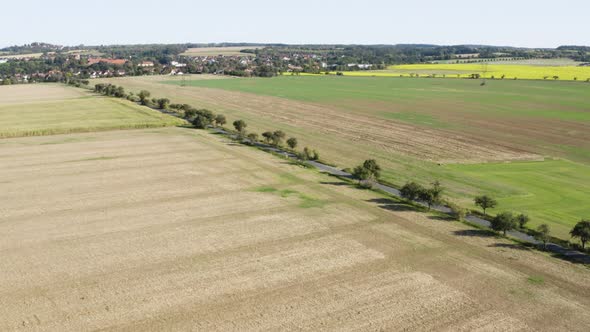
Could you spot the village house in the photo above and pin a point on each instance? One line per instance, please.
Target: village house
(146, 64)
(178, 64)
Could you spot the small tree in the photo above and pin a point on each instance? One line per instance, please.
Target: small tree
(543, 234)
(190, 113)
(373, 167)
(277, 137)
(253, 137)
(582, 231)
(411, 191)
(120, 92)
(220, 120)
(309, 154)
(369, 171)
(458, 212)
(292, 143)
(267, 136)
(485, 202)
(143, 97)
(315, 155)
(503, 222)
(163, 103)
(427, 196)
(522, 219)
(240, 125)
(201, 122)
(361, 173)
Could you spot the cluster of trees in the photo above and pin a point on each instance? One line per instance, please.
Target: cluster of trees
(110, 90)
(506, 221)
(432, 195)
(367, 173)
(276, 139)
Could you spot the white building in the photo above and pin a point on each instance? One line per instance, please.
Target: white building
(178, 64)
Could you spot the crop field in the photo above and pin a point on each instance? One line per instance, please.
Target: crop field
(214, 51)
(178, 229)
(419, 128)
(495, 70)
(517, 61)
(43, 109)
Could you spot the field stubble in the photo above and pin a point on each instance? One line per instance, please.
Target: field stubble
(173, 223)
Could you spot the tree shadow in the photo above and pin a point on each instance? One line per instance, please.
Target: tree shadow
(509, 246)
(441, 218)
(391, 205)
(474, 232)
(339, 184)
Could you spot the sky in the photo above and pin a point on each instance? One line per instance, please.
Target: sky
(521, 23)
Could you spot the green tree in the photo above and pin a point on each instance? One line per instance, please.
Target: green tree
(240, 125)
(543, 234)
(253, 137)
(292, 143)
(220, 120)
(433, 195)
(309, 154)
(373, 168)
(503, 222)
(189, 113)
(120, 92)
(163, 103)
(485, 202)
(361, 173)
(99, 88)
(368, 172)
(427, 196)
(582, 231)
(277, 137)
(411, 191)
(201, 122)
(267, 136)
(143, 97)
(522, 220)
(458, 212)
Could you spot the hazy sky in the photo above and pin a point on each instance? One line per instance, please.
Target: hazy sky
(528, 23)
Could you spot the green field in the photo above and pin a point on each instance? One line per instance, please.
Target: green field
(46, 110)
(549, 119)
(553, 191)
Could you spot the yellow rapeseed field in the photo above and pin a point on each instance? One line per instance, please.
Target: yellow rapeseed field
(569, 73)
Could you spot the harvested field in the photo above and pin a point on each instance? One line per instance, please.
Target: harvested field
(214, 51)
(175, 229)
(47, 109)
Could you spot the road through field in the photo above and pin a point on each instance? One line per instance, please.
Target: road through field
(177, 229)
(566, 253)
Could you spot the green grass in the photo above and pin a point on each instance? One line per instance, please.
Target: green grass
(536, 280)
(555, 192)
(509, 98)
(77, 115)
(305, 201)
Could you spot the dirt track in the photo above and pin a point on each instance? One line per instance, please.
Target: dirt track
(168, 229)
